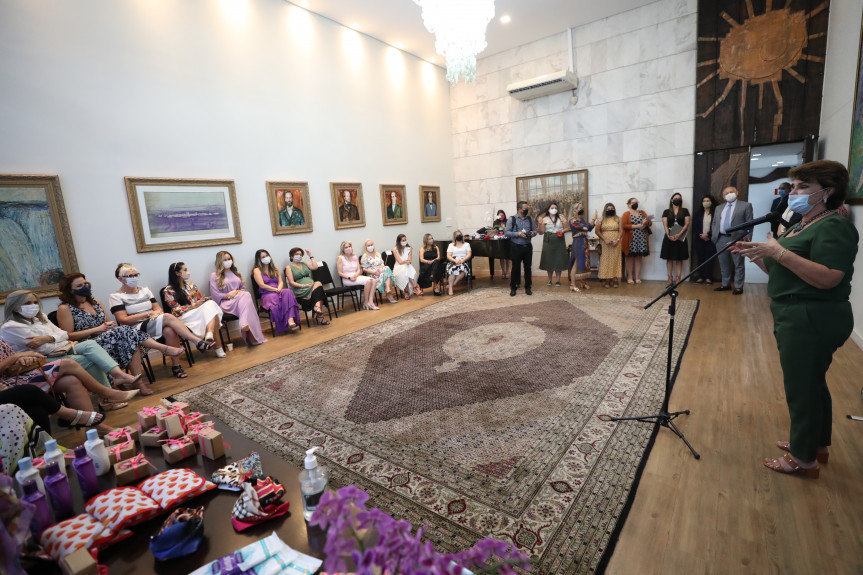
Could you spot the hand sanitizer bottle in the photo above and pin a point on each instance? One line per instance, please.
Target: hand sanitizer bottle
(313, 482)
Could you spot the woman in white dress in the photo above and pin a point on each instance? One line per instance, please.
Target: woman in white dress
(457, 255)
(348, 268)
(404, 271)
(200, 313)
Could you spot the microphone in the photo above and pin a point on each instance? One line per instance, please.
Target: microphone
(770, 217)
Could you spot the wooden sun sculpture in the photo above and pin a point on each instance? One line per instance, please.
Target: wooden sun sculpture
(758, 51)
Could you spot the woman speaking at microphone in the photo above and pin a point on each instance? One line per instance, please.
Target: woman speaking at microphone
(810, 269)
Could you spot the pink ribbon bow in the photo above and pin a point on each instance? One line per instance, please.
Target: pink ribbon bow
(180, 444)
(134, 462)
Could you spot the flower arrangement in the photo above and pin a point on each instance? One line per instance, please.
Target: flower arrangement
(352, 530)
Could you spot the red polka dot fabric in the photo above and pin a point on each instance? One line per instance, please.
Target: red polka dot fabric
(122, 507)
(175, 486)
(81, 531)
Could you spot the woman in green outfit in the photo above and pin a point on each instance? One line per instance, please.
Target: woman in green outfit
(553, 258)
(810, 269)
(299, 276)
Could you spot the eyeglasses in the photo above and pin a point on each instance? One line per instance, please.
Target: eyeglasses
(132, 276)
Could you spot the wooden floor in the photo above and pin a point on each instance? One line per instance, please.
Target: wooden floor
(723, 514)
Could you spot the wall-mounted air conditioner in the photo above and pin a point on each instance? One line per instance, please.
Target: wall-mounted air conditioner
(544, 85)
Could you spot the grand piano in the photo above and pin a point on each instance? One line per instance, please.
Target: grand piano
(491, 249)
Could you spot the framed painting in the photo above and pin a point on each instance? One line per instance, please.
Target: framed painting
(430, 201)
(855, 153)
(348, 209)
(394, 206)
(290, 207)
(169, 214)
(565, 188)
(36, 250)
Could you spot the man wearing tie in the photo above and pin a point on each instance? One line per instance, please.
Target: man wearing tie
(734, 212)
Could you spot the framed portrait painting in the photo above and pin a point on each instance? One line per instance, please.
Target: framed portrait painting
(36, 250)
(348, 209)
(394, 207)
(855, 154)
(290, 207)
(169, 214)
(430, 202)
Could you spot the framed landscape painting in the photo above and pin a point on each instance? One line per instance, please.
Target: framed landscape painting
(394, 207)
(348, 209)
(855, 155)
(430, 202)
(170, 214)
(290, 207)
(565, 188)
(36, 249)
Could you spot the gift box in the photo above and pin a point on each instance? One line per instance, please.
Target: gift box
(121, 451)
(175, 450)
(171, 422)
(131, 470)
(195, 430)
(79, 563)
(176, 405)
(122, 435)
(147, 416)
(196, 418)
(153, 437)
(211, 443)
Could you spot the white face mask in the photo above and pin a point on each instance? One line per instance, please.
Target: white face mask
(298, 258)
(730, 197)
(228, 264)
(186, 275)
(29, 310)
(131, 282)
(404, 243)
(349, 250)
(266, 261)
(552, 211)
(370, 249)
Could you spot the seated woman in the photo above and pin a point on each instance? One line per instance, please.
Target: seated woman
(228, 290)
(274, 296)
(348, 268)
(38, 405)
(299, 276)
(137, 307)
(200, 314)
(431, 268)
(404, 272)
(457, 254)
(373, 266)
(83, 317)
(27, 329)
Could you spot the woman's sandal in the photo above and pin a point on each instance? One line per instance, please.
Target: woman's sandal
(93, 419)
(178, 372)
(786, 464)
(820, 457)
(574, 289)
(111, 405)
(319, 317)
(204, 345)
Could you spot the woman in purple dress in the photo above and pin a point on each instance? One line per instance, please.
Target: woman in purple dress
(274, 296)
(579, 259)
(228, 290)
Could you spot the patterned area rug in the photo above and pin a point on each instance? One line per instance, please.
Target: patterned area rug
(482, 415)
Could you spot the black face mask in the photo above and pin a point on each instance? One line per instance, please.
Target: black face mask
(609, 212)
(677, 202)
(82, 291)
(580, 212)
(524, 213)
(459, 238)
(635, 205)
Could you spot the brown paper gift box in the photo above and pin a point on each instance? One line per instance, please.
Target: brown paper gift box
(176, 405)
(120, 435)
(179, 450)
(79, 562)
(172, 424)
(131, 470)
(147, 416)
(152, 437)
(125, 451)
(212, 445)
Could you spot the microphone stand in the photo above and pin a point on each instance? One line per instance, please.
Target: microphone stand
(665, 418)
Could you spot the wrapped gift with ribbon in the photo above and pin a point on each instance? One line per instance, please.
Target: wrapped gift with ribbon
(172, 421)
(196, 418)
(121, 451)
(131, 470)
(176, 405)
(195, 430)
(176, 450)
(122, 435)
(153, 437)
(147, 416)
(212, 444)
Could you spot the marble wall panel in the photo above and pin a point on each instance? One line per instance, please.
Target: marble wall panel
(625, 49)
(623, 115)
(585, 121)
(667, 73)
(590, 151)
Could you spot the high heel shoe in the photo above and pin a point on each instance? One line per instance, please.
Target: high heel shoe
(820, 457)
(370, 307)
(572, 288)
(786, 464)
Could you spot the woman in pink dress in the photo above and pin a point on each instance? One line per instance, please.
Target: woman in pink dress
(228, 290)
(275, 297)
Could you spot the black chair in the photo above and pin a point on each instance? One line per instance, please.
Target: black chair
(390, 262)
(223, 328)
(307, 306)
(256, 291)
(323, 275)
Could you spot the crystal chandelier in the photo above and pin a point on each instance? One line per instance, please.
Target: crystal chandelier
(459, 29)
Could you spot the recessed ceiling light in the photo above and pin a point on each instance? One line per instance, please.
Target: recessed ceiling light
(505, 19)
(780, 162)
(754, 159)
(305, 3)
(755, 155)
(355, 26)
(398, 45)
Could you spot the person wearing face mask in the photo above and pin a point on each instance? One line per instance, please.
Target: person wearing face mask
(505, 262)
(579, 258)
(704, 248)
(228, 289)
(675, 249)
(373, 266)
(552, 259)
(633, 243)
(780, 207)
(83, 317)
(608, 230)
(199, 313)
(282, 303)
(520, 229)
(404, 272)
(457, 254)
(809, 283)
(348, 268)
(734, 212)
(431, 267)
(304, 286)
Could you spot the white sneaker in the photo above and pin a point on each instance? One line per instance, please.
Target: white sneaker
(220, 352)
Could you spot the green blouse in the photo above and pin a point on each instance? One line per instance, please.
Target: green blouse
(302, 275)
(831, 242)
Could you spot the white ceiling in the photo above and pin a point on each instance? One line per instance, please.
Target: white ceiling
(400, 21)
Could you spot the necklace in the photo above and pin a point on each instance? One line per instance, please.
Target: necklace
(801, 226)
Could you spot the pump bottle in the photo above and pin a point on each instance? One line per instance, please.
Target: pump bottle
(313, 482)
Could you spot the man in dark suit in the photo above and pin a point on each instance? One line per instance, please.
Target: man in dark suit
(348, 212)
(734, 212)
(780, 206)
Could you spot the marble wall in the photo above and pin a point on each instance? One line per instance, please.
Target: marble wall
(632, 126)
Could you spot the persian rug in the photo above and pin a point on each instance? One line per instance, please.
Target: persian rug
(481, 415)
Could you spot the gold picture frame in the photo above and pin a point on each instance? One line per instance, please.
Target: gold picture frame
(37, 249)
(347, 213)
(430, 209)
(293, 219)
(394, 205)
(565, 188)
(173, 214)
